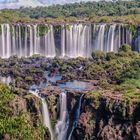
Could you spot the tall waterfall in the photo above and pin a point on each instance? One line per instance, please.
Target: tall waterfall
(63, 122)
(137, 41)
(45, 111)
(6, 80)
(76, 117)
(61, 128)
(74, 40)
(100, 38)
(110, 38)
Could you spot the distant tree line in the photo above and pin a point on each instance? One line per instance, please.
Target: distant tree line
(102, 11)
(84, 9)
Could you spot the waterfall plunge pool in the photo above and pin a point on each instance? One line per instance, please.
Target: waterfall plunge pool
(51, 81)
(70, 85)
(62, 125)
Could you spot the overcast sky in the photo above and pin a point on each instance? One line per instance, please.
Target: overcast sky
(33, 3)
(41, 1)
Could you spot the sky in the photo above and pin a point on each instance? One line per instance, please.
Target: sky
(33, 3)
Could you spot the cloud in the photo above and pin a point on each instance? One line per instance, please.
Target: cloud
(19, 3)
(33, 3)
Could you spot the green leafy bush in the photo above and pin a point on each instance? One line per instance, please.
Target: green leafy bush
(98, 55)
(13, 125)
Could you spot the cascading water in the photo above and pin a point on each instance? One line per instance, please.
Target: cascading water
(8, 44)
(110, 38)
(137, 41)
(76, 117)
(63, 41)
(76, 40)
(46, 118)
(49, 43)
(62, 125)
(100, 37)
(6, 80)
(31, 51)
(63, 122)
(45, 111)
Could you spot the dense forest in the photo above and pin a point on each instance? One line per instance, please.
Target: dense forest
(101, 11)
(84, 9)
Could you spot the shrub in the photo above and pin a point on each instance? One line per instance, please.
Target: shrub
(125, 48)
(13, 125)
(110, 56)
(28, 78)
(98, 55)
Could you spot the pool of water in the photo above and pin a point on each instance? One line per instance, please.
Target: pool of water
(75, 85)
(54, 78)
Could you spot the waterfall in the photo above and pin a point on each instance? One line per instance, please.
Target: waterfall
(46, 117)
(20, 41)
(25, 43)
(38, 41)
(137, 41)
(62, 125)
(31, 41)
(110, 39)
(49, 43)
(13, 49)
(6, 80)
(63, 41)
(100, 39)
(76, 40)
(8, 51)
(76, 117)
(63, 122)
(3, 40)
(35, 39)
(45, 111)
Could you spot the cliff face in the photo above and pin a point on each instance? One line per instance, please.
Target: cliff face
(110, 111)
(102, 117)
(108, 118)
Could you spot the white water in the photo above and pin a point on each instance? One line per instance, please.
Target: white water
(110, 39)
(31, 51)
(45, 111)
(25, 44)
(63, 122)
(8, 45)
(6, 80)
(100, 40)
(76, 40)
(76, 117)
(49, 43)
(62, 125)
(137, 41)
(20, 40)
(63, 42)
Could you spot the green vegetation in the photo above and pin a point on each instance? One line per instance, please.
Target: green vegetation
(42, 30)
(102, 11)
(120, 72)
(88, 9)
(96, 95)
(15, 122)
